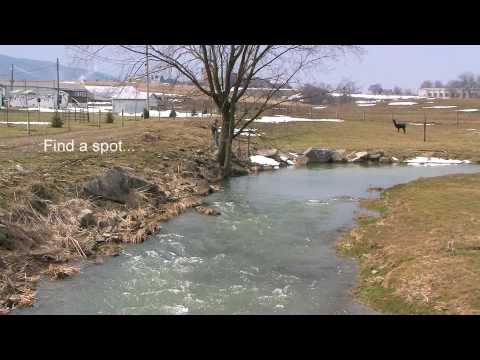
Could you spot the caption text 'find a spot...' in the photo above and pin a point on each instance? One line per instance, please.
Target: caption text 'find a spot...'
(50, 145)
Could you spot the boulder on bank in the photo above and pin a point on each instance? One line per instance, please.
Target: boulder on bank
(318, 155)
(87, 218)
(375, 155)
(357, 156)
(116, 184)
(385, 160)
(339, 155)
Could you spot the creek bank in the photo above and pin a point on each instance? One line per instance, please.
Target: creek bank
(95, 211)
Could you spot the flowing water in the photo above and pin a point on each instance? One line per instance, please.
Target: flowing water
(271, 251)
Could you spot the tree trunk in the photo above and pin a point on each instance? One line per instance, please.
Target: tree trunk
(225, 149)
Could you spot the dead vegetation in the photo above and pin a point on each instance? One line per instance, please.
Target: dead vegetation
(47, 221)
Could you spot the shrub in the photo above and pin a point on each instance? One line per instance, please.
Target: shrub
(146, 114)
(57, 121)
(173, 113)
(110, 118)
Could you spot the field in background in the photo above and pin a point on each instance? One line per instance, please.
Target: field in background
(450, 131)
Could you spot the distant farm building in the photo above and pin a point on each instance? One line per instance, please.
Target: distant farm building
(37, 97)
(129, 100)
(75, 90)
(447, 93)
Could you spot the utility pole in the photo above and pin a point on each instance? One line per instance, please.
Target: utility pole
(58, 84)
(11, 80)
(148, 82)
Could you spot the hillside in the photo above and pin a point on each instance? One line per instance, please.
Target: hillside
(28, 69)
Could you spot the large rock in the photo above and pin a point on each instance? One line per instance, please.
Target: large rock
(301, 160)
(318, 155)
(87, 218)
(116, 184)
(267, 152)
(375, 155)
(357, 156)
(385, 160)
(339, 155)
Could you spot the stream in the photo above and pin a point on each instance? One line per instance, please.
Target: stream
(271, 251)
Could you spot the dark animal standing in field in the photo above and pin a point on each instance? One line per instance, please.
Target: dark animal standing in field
(399, 126)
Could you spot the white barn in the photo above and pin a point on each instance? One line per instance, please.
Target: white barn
(131, 101)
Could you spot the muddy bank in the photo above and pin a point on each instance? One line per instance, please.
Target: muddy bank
(59, 208)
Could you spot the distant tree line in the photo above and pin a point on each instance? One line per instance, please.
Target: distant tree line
(321, 93)
(466, 80)
(377, 89)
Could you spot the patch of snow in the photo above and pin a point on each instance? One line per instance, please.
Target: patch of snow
(381, 97)
(420, 160)
(440, 107)
(400, 103)
(469, 110)
(282, 119)
(363, 105)
(419, 124)
(319, 107)
(263, 160)
(24, 123)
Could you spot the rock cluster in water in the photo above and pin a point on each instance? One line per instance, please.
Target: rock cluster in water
(267, 159)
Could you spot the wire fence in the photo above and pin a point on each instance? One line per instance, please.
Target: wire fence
(29, 121)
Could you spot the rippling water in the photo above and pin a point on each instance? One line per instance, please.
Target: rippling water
(272, 251)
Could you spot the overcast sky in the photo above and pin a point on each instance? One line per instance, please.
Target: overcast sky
(403, 65)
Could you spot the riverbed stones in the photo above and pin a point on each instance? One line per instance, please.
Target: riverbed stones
(116, 184)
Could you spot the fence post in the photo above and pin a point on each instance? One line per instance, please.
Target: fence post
(28, 123)
(424, 127)
(75, 114)
(457, 119)
(99, 111)
(363, 115)
(122, 119)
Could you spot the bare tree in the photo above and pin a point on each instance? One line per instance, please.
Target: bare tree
(426, 84)
(397, 90)
(224, 73)
(467, 80)
(317, 94)
(438, 84)
(376, 89)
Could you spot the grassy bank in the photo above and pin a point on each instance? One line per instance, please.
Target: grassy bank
(421, 256)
